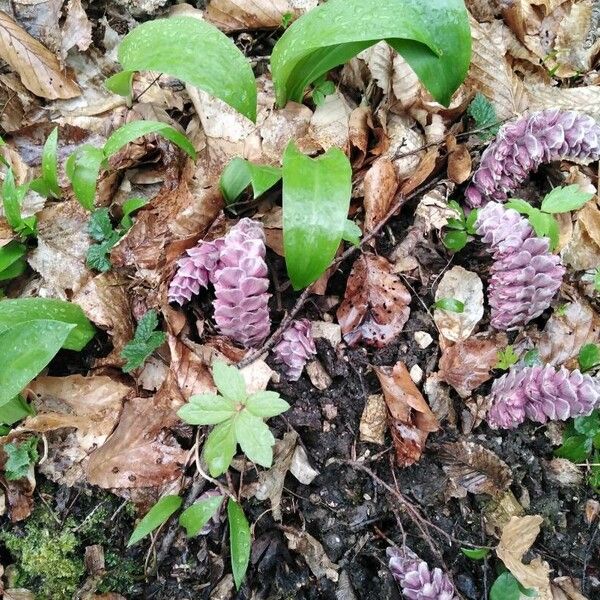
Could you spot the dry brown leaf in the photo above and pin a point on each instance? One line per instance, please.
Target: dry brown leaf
(380, 186)
(77, 30)
(373, 422)
(410, 418)
(433, 211)
(330, 123)
(423, 171)
(376, 303)
(465, 286)
(585, 99)
(473, 468)
(517, 538)
(467, 364)
(583, 250)
(313, 553)
(37, 67)
(459, 161)
(563, 472)
(405, 141)
(499, 511)
(566, 588)
(189, 370)
(359, 125)
(565, 333)
(477, 408)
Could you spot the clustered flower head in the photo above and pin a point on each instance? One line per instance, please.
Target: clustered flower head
(295, 349)
(235, 265)
(525, 276)
(417, 580)
(523, 145)
(541, 394)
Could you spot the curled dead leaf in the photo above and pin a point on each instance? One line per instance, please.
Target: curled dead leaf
(459, 162)
(380, 186)
(583, 250)
(376, 303)
(410, 418)
(313, 553)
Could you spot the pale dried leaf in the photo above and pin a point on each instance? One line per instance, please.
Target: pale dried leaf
(301, 468)
(499, 511)
(405, 141)
(313, 553)
(433, 209)
(189, 370)
(565, 588)
(376, 303)
(459, 164)
(331, 332)
(329, 125)
(379, 60)
(473, 468)
(37, 67)
(373, 422)
(424, 169)
(477, 408)
(583, 250)
(465, 286)
(318, 375)
(405, 83)
(563, 472)
(380, 186)
(77, 30)
(584, 99)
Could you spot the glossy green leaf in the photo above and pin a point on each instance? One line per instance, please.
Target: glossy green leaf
(589, 357)
(229, 381)
(12, 196)
(10, 253)
(475, 553)
(589, 425)
(434, 37)
(195, 517)
(455, 240)
(240, 541)
(83, 168)
(26, 348)
(50, 164)
(450, 304)
(532, 358)
(207, 409)
(120, 83)
(316, 198)
(195, 52)
(266, 404)
(219, 448)
(129, 207)
(575, 448)
(22, 310)
(506, 587)
(240, 173)
(14, 410)
(135, 129)
(155, 517)
(254, 437)
(565, 199)
(14, 270)
(352, 233)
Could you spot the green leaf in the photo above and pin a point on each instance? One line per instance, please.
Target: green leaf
(589, 357)
(19, 458)
(195, 52)
(155, 517)
(575, 448)
(594, 474)
(254, 437)
(321, 90)
(455, 240)
(484, 114)
(433, 37)
(352, 233)
(98, 255)
(195, 517)
(475, 553)
(589, 425)
(597, 280)
(100, 226)
(532, 358)
(450, 304)
(544, 224)
(219, 448)
(229, 381)
(135, 129)
(145, 341)
(10, 253)
(22, 310)
(506, 587)
(26, 349)
(316, 198)
(129, 207)
(14, 270)
(15, 410)
(506, 358)
(12, 196)
(120, 83)
(207, 409)
(83, 168)
(266, 404)
(240, 173)
(565, 199)
(50, 164)
(470, 221)
(240, 541)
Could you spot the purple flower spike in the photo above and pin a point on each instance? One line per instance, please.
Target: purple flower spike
(417, 580)
(541, 394)
(523, 145)
(295, 348)
(525, 276)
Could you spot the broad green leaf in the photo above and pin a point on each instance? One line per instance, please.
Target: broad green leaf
(575, 448)
(50, 164)
(240, 173)
(229, 381)
(316, 198)
(26, 348)
(195, 52)
(455, 240)
(14, 270)
(155, 517)
(10, 253)
(12, 196)
(99, 226)
(450, 304)
(22, 310)
(254, 437)
(565, 199)
(120, 83)
(240, 541)
(266, 404)
(471, 220)
(15, 410)
(219, 448)
(195, 517)
(544, 224)
(475, 553)
(207, 409)
(83, 168)
(129, 207)
(589, 357)
(136, 129)
(589, 425)
(352, 233)
(506, 587)
(434, 37)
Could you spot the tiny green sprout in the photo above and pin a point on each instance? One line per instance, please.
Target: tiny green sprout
(450, 305)
(561, 310)
(532, 358)
(506, 358)
(475, 553)
(20, 457)
(482, 111)
(286, 19)
(238, 419)
(597, 279)
(322, 88)
(460, 228)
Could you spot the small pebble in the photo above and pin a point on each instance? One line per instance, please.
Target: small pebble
(423, 339)
(416, 373)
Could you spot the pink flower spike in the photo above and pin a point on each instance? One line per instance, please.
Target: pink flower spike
(295, 348)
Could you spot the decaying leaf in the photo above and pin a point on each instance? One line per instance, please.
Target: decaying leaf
(376, 303)
(583, 250)
(459, 161)
(373, 422)
(477, 407)
(517, 538)
(563, 472)
(410, 418)
(330, 123)
(37, 67)
(313, 553)
(499, 511)
(405, 146)
(380, 186)
(585, 99)
(566, 588)
(77, 30)
(467, 364)
(189, 369)
(465, 286)
(473, 468)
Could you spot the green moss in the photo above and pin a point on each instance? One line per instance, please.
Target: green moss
(122, 574)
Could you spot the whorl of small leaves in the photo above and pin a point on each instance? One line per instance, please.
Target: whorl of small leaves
(145, 341)
(20, 456)
(482, 111)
